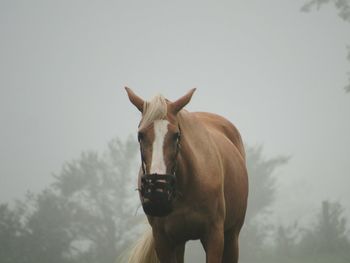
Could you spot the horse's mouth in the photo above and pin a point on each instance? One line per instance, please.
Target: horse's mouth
(157, 194)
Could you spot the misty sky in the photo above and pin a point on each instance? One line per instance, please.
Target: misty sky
(276, 72)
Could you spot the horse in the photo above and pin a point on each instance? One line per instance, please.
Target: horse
(192, 182)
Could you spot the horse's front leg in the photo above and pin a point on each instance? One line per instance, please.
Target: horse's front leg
(213, 244)
(166, 252)
(180, 253)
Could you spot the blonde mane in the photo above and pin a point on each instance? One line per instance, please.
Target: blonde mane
(156, 109)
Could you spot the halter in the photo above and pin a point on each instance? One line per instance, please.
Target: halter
(158, 190)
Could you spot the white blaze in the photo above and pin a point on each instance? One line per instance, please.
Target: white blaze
(158, 163)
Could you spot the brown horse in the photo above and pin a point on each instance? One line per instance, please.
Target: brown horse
(193, 181)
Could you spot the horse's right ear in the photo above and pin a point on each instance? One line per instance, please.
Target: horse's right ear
(136, 100)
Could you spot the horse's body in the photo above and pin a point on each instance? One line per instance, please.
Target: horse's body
(212, 191)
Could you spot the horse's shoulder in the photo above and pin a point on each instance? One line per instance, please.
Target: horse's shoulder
(223, 126)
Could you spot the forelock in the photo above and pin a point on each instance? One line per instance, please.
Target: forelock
(156, 109)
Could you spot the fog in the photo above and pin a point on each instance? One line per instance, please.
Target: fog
(276, 72)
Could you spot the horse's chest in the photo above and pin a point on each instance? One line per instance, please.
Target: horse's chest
(185, 226)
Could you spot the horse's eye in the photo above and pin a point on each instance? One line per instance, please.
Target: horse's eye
(140, 136)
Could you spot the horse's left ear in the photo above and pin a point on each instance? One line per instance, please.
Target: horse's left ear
(177, 105)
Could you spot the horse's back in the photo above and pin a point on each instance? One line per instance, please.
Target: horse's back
(223, 126)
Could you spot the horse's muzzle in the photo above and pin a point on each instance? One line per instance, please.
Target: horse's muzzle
(157, 194)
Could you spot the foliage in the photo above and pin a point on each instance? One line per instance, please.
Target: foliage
(81, 217)
(325, 241)
(98, 188)
(329, 235)
(262, 180)
(343, 7)
(11, 231)
(261, 195)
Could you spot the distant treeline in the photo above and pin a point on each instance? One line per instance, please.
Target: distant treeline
(88, 215)
(325, 241)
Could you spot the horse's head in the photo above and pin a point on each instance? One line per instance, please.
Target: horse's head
(159, 136)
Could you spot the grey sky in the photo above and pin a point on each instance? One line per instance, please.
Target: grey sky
(275, 72)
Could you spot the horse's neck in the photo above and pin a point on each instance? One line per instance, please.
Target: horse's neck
(195, 134)
(194, 137)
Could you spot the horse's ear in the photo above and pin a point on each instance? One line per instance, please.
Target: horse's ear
(136, 100)
(182, 102)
